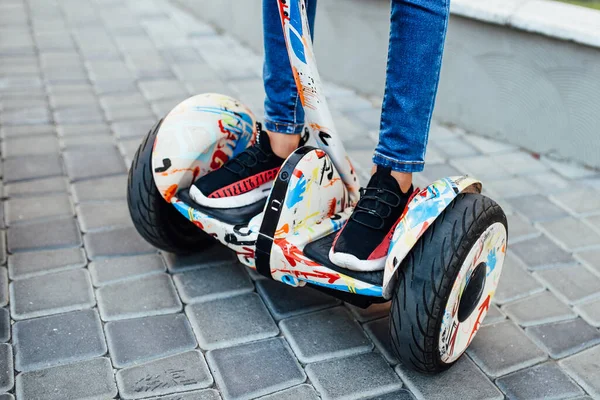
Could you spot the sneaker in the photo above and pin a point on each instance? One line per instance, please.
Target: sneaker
(241, 181)
(363, 242)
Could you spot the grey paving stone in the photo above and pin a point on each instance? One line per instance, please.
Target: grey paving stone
(300, 392)
(7, 371)
(76, 99)
(79, 115)
(162, 107)
(230, 321)
(163, 89)
(571, 284)
(379, 332)
(128, 149)
(537, 208)
(121, 100)
(5, 326)
(541, 252)
(31, 167)
(35, 187)
(561, 339)
(7, 396)
(57, 339)
(511, 187)
(22, 146)
(325, 334)
(51, 294)
(132, 129)
(481, 167)
(515, 282)
(110, 270)
(434, 172)
(572, 233)
(90, 163)
(488, 146)
(591, 259)
(103, 215)
(44, 235)
(540, 308)
(178, 373)
(272, 362)
(463, 381)
(91, 380)
(26, 116)
(214, 256)
(583, 368)
(108, 86)
(82, 129)
(519, 163)
(578, 202)
(117, 242)
(370, 313)
(285, 301)
(545, 381)
(493, 315)
(503, 348)
(129, 113)
(206, 394)
(353, 377)
(213, 283)
(89, 140)
(150, 295)
(590, 312)
(38, 208)
(3, 287)
(520, 229)
(28, 264)
(106, 188)
(26, 130)
(133, 341)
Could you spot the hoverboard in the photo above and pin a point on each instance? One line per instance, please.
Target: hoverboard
(445, 256)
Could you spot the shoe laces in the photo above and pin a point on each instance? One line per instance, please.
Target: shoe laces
(373, 204)
(246, 160)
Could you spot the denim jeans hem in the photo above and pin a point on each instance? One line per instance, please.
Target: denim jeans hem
(396, 165)
(283, 127)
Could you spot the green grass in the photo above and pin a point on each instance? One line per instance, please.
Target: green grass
(595, 4)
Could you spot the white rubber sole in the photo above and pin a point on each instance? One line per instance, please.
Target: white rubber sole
(352, 263)
(241, 200)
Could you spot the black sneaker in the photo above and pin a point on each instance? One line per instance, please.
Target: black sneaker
(363, 242)
(241, 181)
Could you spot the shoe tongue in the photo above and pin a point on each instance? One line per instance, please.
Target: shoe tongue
(383, 179)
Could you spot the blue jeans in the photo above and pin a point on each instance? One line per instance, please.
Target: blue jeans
(416, 44)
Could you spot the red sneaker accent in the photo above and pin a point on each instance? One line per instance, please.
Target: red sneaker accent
(245, 185)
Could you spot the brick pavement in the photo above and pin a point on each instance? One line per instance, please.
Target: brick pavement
(91, 311)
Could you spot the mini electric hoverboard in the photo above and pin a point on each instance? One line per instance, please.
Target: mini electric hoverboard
(445, 256)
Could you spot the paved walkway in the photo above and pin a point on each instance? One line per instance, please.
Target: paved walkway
(92, 311)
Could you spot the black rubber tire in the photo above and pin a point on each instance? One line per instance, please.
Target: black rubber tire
(426, 277)
(156, 220)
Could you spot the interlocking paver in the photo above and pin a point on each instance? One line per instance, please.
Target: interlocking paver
(520, 162)
(353, 377)
(493, 315)
(7, 371)
(578, 202)
(106, 188)
(520, 229)
(26, 130)
(285, 301)
(4, 325)
(178, 373)
(537, 208)
(79, 115)
(37, 187)
(51, 294)
(325, 334)
(28, 264)
(543, 381)
(516, 282)
(300, 392)
(434, 172)
(133, 129)
(23, 146)
(91, 379)
(85, 163)
(572, 233)
(38, 208)
(463, 381)
(3, 287)
(481, 167)
(103, 215)
(57, 339)
(128, 113)
(231, 321)
(541, 252)
(89, 140)
(583, 368)
(561, 339)
(117, 242)
(502, 348)
(26, 116)
(590, 312)
(271, 361)
(110, 270)
(82, 129)
(150, 295)
(213, 283)
(511, 187)
(31, 167)
(132, 341)
(591, 259)
(374, 311)
(488, 146)
(44, 235)
(206, 394)
(540, 308)
(214, 256)
(7, 396)
(379, 332)
(163, 89)
(571, 284)
(75, 99)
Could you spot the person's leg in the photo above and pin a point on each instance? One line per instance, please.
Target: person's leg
(284, 115)
(417, 34)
